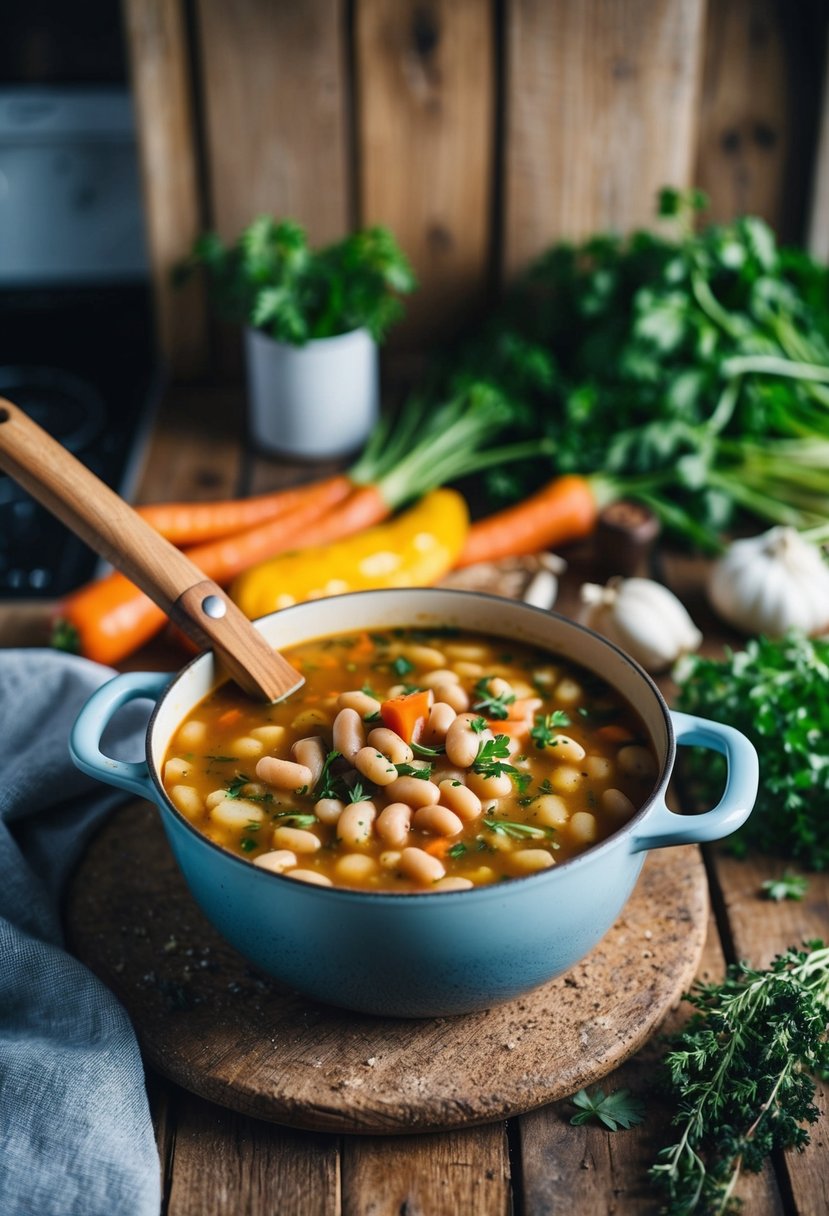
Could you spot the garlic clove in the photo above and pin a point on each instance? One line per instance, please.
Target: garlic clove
(643, 618)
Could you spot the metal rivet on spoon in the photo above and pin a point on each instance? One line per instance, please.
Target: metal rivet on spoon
(213, 607)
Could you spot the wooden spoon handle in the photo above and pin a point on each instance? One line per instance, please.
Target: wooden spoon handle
(68, 489)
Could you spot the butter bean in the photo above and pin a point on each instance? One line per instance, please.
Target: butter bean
(313, 877)
(452, 883)
(441, 717)
(599, 768)
(442, 675)
(375, 766)
(421, 866)
(349, 734)
(462, 742)
(328, 810)
(355, 867)
(394, 823)
(277, 860)
(365, 705)
(188, 800)
(454, 695)
(389, 859)
(616, 803)
(428, 657)
(271, 735)
(191, 735)
(283, 774)
(356, 824)
(246, 747)
(583, 827)
(562, 747)
(236, 813)
(498, 687)
(214, 798)
(438, 820)
(550, 811)
(390, 744)
(636, 761)
(176, 769)
(568, 692)
(311, 719)
(413, 791)
(530, 861)
(490, 787)
(311, 752)
(566, 779)
(459, 798)
(298, 840)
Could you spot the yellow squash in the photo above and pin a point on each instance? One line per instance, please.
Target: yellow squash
(414, 549)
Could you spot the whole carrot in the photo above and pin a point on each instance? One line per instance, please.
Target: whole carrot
(191, 523)
(563, 510)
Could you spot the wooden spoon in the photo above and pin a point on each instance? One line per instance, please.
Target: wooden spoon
(91, 509)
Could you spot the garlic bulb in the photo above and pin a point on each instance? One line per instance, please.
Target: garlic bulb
(643, 618)
(772, 583)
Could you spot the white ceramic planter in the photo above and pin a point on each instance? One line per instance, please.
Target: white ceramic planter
(312, 401)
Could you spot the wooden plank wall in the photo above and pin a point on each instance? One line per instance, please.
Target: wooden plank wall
(479, 131)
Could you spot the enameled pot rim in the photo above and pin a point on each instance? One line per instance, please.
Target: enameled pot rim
(544, 876)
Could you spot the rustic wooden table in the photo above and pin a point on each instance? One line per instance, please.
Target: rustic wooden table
(219, 1163)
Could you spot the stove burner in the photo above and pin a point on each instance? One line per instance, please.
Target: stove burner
(69, 408)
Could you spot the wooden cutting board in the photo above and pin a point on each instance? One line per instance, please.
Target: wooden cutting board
(209, 1021)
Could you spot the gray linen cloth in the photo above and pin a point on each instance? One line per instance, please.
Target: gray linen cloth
(75, 1132)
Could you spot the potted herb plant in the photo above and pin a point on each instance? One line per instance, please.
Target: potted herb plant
(313, 320)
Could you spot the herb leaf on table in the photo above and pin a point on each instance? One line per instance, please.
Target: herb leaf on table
(614, 1110)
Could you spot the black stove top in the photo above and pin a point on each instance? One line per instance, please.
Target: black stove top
(82, 363)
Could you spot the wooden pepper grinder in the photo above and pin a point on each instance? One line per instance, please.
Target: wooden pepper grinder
(625, 535)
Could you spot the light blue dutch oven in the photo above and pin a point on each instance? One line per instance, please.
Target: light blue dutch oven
(431, 954)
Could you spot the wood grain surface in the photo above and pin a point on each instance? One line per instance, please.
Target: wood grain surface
(218, 1027)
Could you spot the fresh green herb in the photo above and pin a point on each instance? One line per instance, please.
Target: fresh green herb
(247, 845)
(491, 758)
(521, 781)
(517, 831)
(614, 1110)
(410, 770)
(788, 886)
(420, 749)
(272, 279)
(375, 717)
(296, 819)
(357, 793)
(739, 1076)
(327, 785)
(478, 725)
(370, 692)
(253, 825)
(457, 850)
(494, 706)
(547, 726)
(222, 759)
(775, 693)
(401, 666)
(234, 789)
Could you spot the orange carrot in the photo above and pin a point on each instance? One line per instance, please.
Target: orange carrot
(406, 715)
(565, 509)
(191, 523)
(229, 716)
(613, 733)
(439, 847)
(110, 618)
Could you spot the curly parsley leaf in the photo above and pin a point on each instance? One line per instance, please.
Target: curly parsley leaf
(788, 886)
(614, 1110)
(494, 706)
(547, 726)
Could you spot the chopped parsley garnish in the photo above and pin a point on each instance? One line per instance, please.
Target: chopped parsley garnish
(234, 789)
(494, 706)
(516, 831)
(546, 727)
(247, 845)
(357, 793)
(478, 725)
(401, 667)
(457, 850)
(492, 756)
(326, 785)
(295, 819)
(420, 749)
(409, 770)
(370, 692)
(617, 1109)
(222, 759)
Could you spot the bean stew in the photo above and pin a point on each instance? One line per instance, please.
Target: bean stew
(414, 760)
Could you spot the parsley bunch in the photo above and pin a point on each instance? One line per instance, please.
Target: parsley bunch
(273, 280)
(775, 693)
(739, 1073)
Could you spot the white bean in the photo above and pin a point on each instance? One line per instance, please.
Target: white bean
(421, 866)
(441, 717)
(214, 798)
(236, 813)
(459, 798)
(583, 827)
(473, 652)
(454, 695)
(616, 803)
(283, 774)
(277, 860)
(530, 861)
(390, 744)
(354, 826)
(298, 840)
(438, 820)
(246, 747)
(187, 799)
(443, 675)
(498, 687)
(452, 883)
(566, 779)
(349, 734)
(311, 752)
(311, 719)
(271, 735)
(550, 811)
(176, 769)
(426, 656)
(636, 761)
(462, 742)
(562, 747)
(389, 859)
(310, 876)
(365, 705)
(355, 867)
(568, 692)
(490, 786)
(192, 734)
(394, 823)
(328, 810)
(413, 790)
(375, 766)
(598, 767)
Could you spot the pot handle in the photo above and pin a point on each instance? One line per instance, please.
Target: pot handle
(662, 827)
(92, 721)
